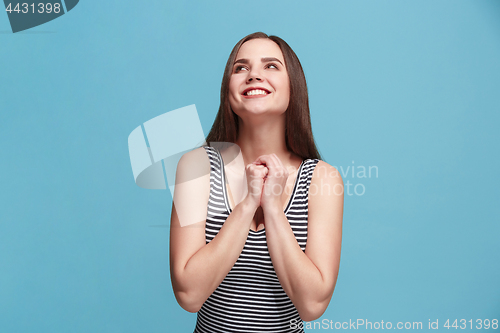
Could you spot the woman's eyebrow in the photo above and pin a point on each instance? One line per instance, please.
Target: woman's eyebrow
(271, 59)
(268, 59)
(243, 61)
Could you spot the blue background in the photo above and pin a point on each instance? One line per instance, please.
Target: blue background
(409, 87)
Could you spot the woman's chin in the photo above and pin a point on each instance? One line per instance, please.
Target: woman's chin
(260, 111)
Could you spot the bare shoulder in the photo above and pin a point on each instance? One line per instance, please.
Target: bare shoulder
(326, 191)
(194, 156)
(326, 206)
(192, 164)
(324, 173)
(192, 189)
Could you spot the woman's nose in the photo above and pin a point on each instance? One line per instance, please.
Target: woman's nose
(250, 79)
(254, 75)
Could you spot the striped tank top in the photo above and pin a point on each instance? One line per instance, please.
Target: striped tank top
(250, 298)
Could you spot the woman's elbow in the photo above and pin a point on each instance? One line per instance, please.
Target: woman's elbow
(187, 302)
(313, 311)
(182, 292)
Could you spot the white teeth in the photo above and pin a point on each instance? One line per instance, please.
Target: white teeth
(256, 92)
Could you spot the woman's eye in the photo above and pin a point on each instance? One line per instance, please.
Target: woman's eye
(272, 66)
(239, 68)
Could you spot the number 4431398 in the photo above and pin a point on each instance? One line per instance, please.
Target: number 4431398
(478, 324)
(31, 8)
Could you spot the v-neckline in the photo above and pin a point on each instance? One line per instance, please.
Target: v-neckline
(226, 195)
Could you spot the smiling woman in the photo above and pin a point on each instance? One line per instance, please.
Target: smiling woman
(259, 85)
(264, 251)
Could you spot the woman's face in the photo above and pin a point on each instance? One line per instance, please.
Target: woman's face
(259, 81)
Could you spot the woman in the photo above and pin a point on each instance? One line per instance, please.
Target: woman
(268, 258)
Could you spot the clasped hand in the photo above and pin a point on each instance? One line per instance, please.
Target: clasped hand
(266, 180)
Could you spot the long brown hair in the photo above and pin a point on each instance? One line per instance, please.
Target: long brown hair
(298, 133)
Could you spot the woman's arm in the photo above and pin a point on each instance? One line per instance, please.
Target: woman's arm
(309, 278)
(197, 268)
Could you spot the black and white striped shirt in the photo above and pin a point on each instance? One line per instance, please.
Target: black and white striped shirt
(250, 298)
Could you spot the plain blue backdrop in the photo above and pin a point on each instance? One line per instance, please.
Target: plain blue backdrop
(411, 87)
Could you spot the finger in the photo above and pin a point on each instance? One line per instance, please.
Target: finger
(258, 171)
(259, 167)
(259, 162)
(253, 166)
(267, 160)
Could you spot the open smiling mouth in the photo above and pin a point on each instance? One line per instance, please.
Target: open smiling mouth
(258, 92)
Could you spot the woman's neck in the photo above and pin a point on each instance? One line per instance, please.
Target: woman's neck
(264, 138)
